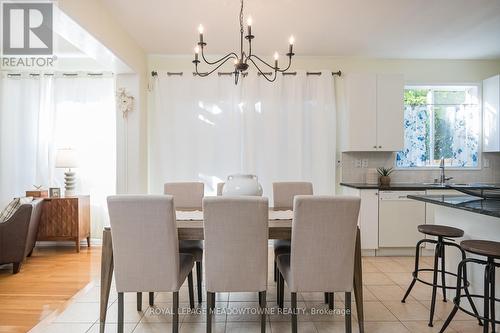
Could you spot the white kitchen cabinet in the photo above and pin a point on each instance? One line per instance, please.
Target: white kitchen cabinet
(368, 216)
(373, 120)
(491, 114)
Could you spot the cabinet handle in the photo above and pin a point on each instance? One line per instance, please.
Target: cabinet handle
(375, 147)
(380, 146)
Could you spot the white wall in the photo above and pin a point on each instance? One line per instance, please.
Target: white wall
(415, 71)
(97, 19)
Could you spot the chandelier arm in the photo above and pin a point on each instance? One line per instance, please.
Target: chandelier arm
(213, 70)
(288, 67)
(262, 73)
(229, 55)
(262, 61)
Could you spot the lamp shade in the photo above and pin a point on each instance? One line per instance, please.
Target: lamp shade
(66, 158)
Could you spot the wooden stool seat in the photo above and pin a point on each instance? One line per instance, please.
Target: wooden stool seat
(485, 248)
(440, 230)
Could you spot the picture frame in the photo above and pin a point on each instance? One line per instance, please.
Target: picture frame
(55, 192)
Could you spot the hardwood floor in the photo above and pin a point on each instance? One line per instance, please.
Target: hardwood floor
(46, 282)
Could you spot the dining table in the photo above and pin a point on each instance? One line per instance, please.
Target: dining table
(190, 227)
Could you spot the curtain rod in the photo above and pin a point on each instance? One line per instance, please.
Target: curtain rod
(155, 73)
(91, 74)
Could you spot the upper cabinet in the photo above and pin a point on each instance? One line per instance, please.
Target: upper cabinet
(491, 114)
(373, 120)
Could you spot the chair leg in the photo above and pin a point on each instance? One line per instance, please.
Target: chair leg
(348, 317)
(190, 289)
(139, 301)
(434, 282)
(492, 298)
(443, 274)
(175, 306)
(294, 312)
(209, 312)
(331, 301)
(466, 289)
(262, 304)
(327, 297)
(120, 312)
(199, 277)
(415, 272)
(278, 288)
(486, 313)
(275, 270)
(16, 267)
(282, 291)
(457, 297)
(151, 298)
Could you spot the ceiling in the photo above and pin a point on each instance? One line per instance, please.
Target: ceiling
(444, 29)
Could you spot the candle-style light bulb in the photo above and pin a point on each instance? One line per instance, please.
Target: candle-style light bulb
(196, 52)
(276, 56)
(249, 24)
(291, 40)
(200, 30)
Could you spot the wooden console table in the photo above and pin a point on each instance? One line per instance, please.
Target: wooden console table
(65, 219)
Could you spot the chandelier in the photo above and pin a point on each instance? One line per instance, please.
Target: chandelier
(243, 59)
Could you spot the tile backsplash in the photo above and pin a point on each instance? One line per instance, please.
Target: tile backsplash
(353, 172)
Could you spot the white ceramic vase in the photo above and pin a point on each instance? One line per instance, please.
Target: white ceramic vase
(242, 185)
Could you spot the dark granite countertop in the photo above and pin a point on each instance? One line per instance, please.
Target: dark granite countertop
(404, 186)
(464, 202)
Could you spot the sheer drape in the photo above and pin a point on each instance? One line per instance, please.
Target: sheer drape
(40, 115)
(206, 129)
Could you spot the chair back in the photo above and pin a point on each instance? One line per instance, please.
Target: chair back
(145, 243)
(220, 187)
(284, 192)
(323, 243)
(236, 234)
(188, 195)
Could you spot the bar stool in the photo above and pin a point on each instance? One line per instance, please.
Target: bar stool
(490, 250)
(443, 234)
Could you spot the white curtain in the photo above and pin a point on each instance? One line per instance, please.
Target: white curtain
(40, 115)
(207, 128)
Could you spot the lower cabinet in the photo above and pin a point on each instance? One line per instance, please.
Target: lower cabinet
(368, 216)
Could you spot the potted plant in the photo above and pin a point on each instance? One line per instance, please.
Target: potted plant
(385, 179)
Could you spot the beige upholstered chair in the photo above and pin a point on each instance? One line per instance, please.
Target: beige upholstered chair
(322, 252)
(283, 194)
(220, 187)
(236, 233)
(146, 251)
(189, 196)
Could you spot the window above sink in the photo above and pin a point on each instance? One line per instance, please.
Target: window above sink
(441, 121)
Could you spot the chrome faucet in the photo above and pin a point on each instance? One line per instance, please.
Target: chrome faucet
(443, 179)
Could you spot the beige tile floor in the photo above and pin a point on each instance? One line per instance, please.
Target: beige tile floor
(385, 281)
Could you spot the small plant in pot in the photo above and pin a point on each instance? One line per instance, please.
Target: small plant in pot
(385, 179)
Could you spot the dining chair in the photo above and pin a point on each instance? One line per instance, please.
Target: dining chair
(322, 252)
(188, 196)
(146, 250)
(283, 194)
(236, 232)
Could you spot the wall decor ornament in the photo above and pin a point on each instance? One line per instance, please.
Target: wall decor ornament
(125, 102)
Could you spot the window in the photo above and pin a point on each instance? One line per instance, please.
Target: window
(440, 122)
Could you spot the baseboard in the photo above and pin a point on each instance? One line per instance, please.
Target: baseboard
(83, 243)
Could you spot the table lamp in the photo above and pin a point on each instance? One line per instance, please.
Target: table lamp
(66, 159)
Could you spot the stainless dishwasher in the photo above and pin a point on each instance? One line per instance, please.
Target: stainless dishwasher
(399, 217)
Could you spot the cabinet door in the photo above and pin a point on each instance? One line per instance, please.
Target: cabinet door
(390, 112)
(491, 114)
(368, 219)
(361, 116)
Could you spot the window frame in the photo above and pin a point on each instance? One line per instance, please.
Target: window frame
(479, 166)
